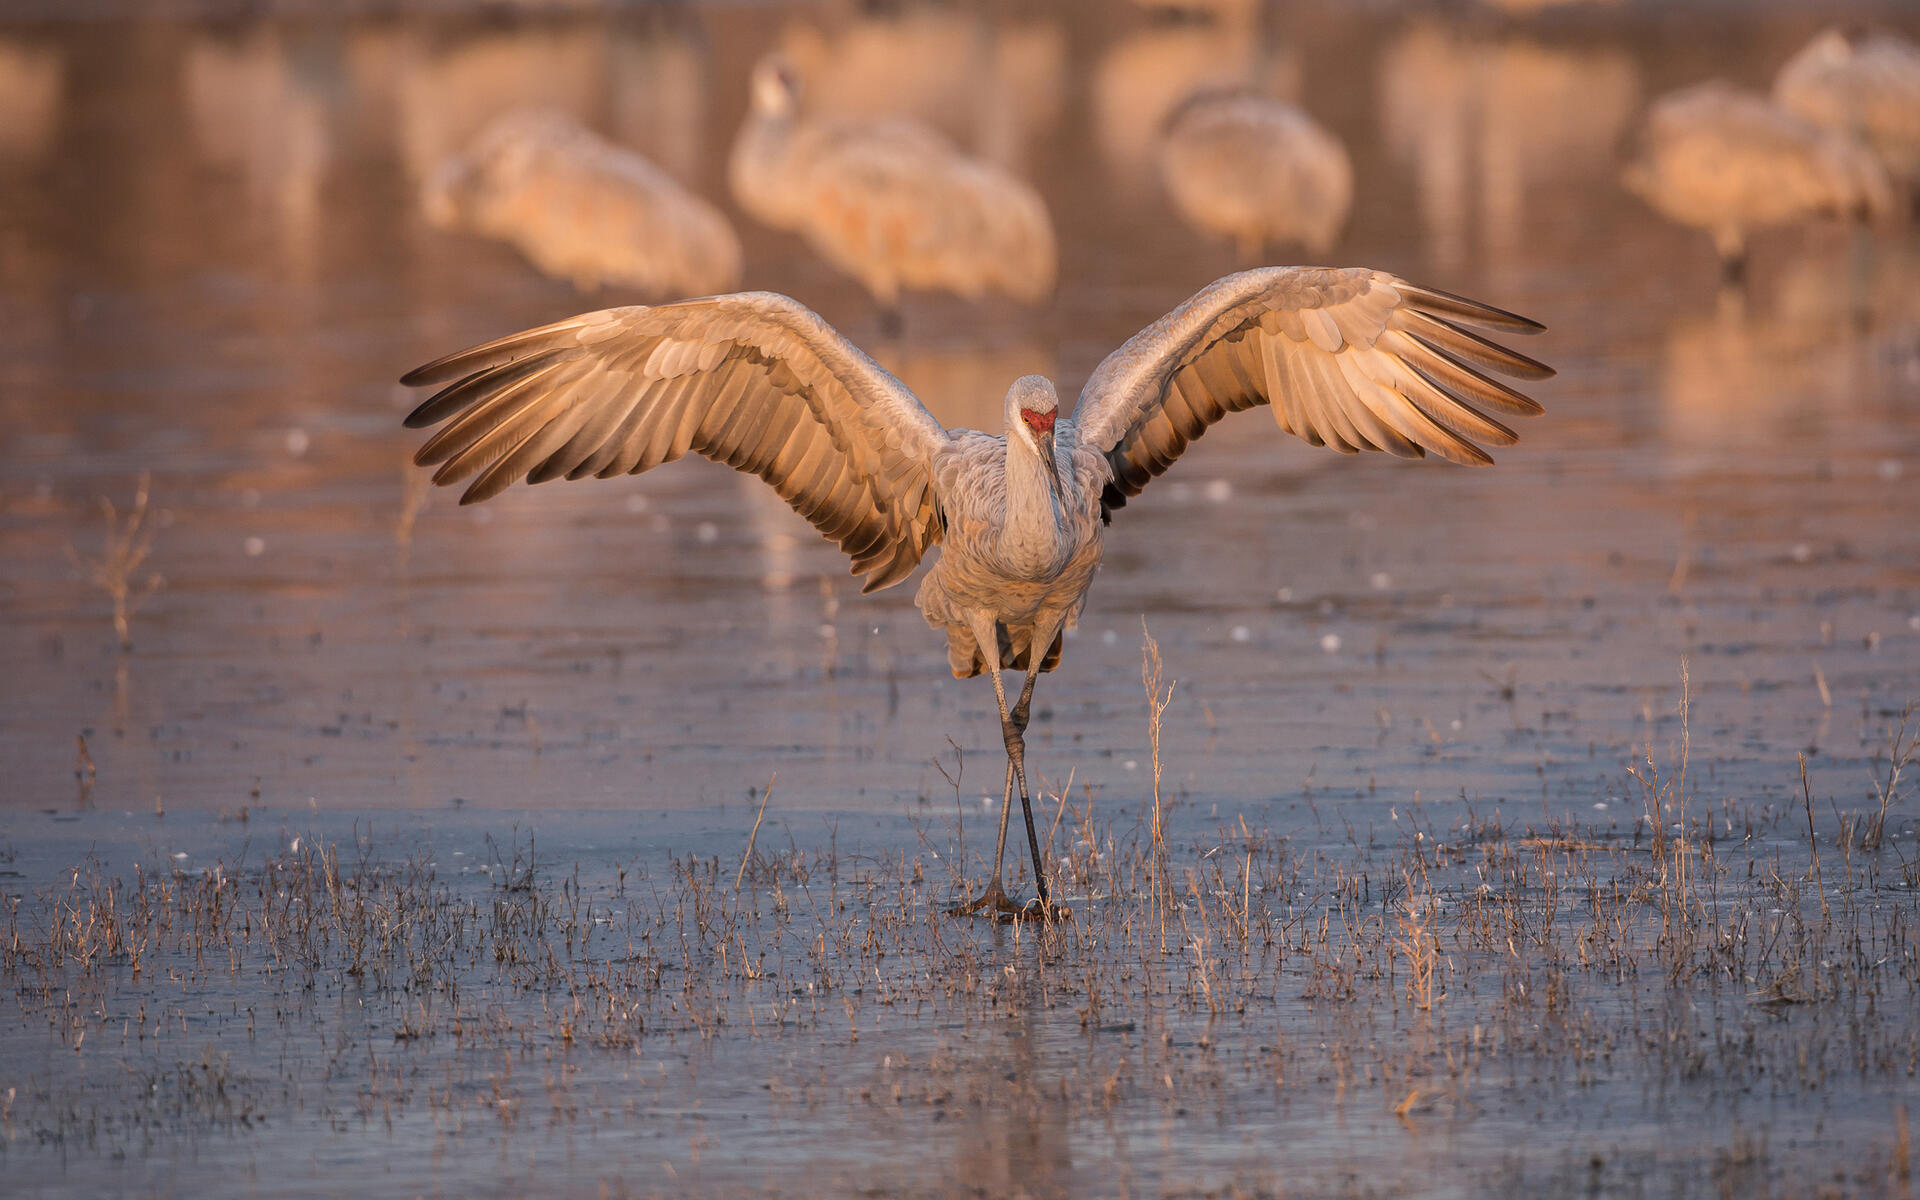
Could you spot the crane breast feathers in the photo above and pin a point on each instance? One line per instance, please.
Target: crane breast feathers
(754, 380)
(1353, 359)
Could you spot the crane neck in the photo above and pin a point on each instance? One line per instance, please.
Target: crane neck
(757, 168)
(1032, 536)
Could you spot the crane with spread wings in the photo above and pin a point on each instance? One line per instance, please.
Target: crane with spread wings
(1353, 359)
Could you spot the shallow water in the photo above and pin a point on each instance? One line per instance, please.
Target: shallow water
(211, 270)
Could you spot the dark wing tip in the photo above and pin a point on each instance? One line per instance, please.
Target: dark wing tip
(426, 413)
(1462, 309)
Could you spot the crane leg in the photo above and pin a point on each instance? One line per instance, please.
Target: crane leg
(1017, 722)
(1732, 247)
(995, 898)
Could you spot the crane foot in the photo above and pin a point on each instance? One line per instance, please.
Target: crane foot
(998, 906)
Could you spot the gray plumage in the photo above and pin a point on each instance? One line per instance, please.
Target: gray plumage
(1256, 169)
(1353, 359)
(1731, 162)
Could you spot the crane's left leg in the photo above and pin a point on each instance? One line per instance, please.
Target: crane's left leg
(1043, 635)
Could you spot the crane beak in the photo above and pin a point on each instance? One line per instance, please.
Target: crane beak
(1040, 425)
(1046, 455)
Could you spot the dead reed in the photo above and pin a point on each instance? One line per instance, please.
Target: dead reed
(128, 542)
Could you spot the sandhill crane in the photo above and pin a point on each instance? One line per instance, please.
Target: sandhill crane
(1258, 170)
(582, 208)
(1730, 162)
(1354, 359)
(1868, 87)
(891, 203)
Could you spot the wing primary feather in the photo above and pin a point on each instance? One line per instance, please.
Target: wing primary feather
(536, 446)
(684, 421)
(486, 413)
(1464, 343)
(662, 408)
(1461, 308)
(482, 433)
(590, 437)
(774, 438)
(1460, 417)
(722, 408)
(449, 400)
(507, 349)
(1455, 378)
(612, 458)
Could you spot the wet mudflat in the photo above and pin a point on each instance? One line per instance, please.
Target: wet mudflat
(408, 847)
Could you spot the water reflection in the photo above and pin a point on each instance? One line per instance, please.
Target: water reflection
(1490, 127)
(32, 79)
(450, 86)
(996, 87)
(1802, 356)
(1141, 78)
(254, 109)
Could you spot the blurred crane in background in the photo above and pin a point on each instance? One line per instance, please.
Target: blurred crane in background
(1866, 87)
(890, 202)
(1260, 171)
(1731, 162)
(582, 208)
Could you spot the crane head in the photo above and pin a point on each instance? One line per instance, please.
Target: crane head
(775, 86)
(1032, 407)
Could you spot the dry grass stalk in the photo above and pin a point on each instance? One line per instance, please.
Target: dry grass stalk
(1666, 799)
(127, 545)
(1903, 744)
(1418, 944)
(1813, 839)
(748, 856)
(1159, 696)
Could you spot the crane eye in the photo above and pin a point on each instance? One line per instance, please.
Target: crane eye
(1039, 422)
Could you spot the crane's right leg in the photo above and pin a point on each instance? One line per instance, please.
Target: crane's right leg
(995, 899)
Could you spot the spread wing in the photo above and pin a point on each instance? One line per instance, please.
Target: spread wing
(1354, 359)
(754, 380)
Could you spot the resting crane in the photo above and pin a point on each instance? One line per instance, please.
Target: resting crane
(583, 208)
(1258, 170)
(1867, 86)
(1730, 162)
(1354, 359)
(890, 202)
